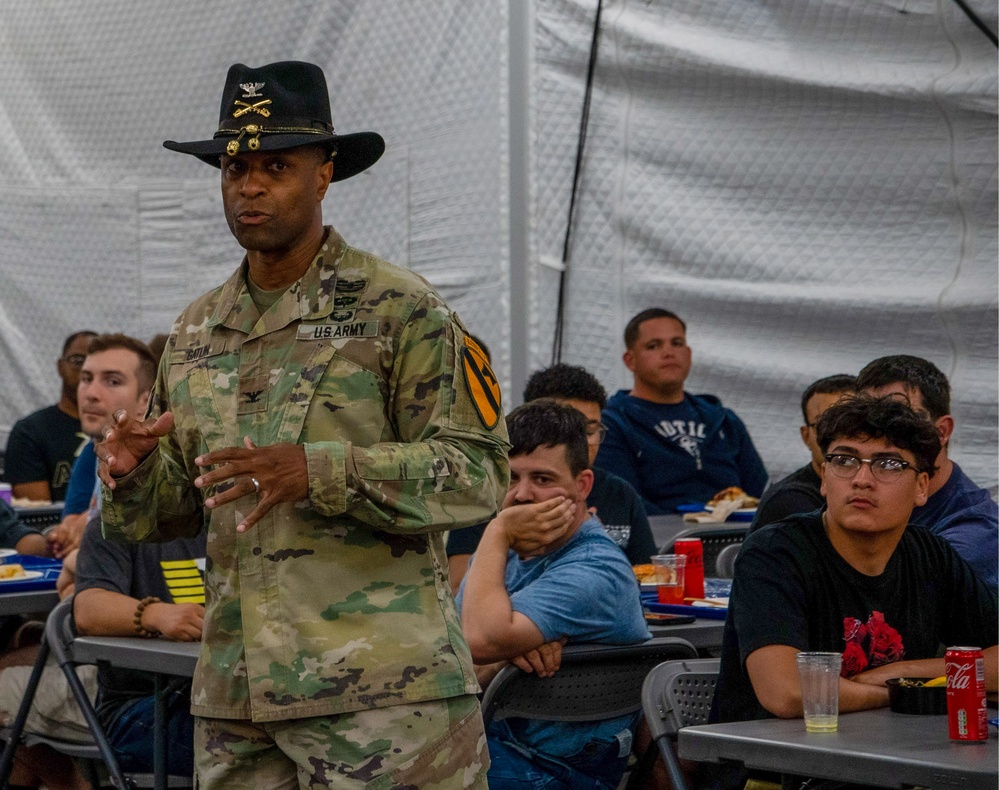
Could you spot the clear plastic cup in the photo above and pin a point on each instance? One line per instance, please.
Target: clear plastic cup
(669, 570)
(819, 674)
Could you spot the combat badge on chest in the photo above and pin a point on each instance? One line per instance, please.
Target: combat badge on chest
(342, 326)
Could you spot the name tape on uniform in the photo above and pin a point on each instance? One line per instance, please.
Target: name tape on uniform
(337, 331)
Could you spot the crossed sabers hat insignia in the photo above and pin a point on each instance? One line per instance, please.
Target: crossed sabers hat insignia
(258, 107)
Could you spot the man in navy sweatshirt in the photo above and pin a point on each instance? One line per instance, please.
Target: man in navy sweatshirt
(673, 447)
(957, 510)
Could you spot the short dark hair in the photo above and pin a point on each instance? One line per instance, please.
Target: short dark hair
(913, 372)
(145, 373)
(830, 385)
(570, 382)
(861, 416)
(634, 325)
(69, 340)
(551, 424)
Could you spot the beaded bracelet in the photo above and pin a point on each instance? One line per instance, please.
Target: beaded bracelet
(139, 630)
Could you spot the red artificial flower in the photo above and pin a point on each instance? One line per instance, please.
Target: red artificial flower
(854, 630)
(854, 660)
(886, 643)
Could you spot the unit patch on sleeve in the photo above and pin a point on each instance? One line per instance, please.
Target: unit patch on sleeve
(482, 383)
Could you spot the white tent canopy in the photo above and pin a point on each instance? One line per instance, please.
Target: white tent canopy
(810, 183)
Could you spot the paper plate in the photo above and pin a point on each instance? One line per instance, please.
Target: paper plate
(27, 575)
(742, 511)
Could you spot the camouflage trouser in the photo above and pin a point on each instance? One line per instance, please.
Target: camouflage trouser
(436, 745)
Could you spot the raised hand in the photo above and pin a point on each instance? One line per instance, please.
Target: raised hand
(531, 529)
(126, 442)
(275, 473)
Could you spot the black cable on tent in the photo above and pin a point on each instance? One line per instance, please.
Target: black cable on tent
(977, 21)
(583, 124)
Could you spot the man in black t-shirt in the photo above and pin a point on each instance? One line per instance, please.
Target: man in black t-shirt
(799, 491)
(41, 447)
(141, 589)
(852, 578)
(612, 500)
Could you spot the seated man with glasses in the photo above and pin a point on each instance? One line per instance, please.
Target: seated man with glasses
(41, 447)
(613, 501)
(852, 578)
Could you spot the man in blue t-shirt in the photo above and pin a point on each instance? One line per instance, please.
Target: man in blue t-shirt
(545, 574)
(673, 447)
(957, 510)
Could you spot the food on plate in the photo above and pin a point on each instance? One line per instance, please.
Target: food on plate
(914, 683)
(722, 505)
(733, 494)
(646, 574)
(29, 503)
(12, 570)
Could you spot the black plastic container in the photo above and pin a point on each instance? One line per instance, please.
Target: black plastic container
(919, 700)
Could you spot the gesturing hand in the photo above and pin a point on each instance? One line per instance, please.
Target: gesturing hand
(531, 529)
(127, 442)
(275, 473)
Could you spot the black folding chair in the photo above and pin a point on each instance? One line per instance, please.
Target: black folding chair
(594, 683)
(58, 642)
(677, 694)
(40, 517)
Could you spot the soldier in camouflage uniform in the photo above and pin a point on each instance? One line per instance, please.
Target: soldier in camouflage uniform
(325, 417)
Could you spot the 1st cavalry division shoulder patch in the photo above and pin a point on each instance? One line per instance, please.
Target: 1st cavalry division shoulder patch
(482, 383)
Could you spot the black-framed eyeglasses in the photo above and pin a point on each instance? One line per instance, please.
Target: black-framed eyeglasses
(885, 470)
(595, 432)
(76, 360)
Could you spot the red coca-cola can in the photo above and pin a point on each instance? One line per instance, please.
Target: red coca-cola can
(693, 581)
(966, 694)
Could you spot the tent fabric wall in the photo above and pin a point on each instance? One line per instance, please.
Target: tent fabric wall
(811, 185)
(103, 228)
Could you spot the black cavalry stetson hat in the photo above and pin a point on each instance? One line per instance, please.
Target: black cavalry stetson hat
(281, 105)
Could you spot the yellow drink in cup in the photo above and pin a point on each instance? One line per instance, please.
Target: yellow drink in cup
(819, 674)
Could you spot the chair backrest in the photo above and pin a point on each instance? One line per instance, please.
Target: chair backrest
(59, 631)
(595, 682)
(59, 635)
(714, 538)
(677, 694)
(40, 517)
(725, 561)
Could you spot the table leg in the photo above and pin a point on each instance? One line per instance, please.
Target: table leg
(160, 734)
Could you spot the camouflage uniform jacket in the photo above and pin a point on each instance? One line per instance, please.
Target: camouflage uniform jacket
(341, 602)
